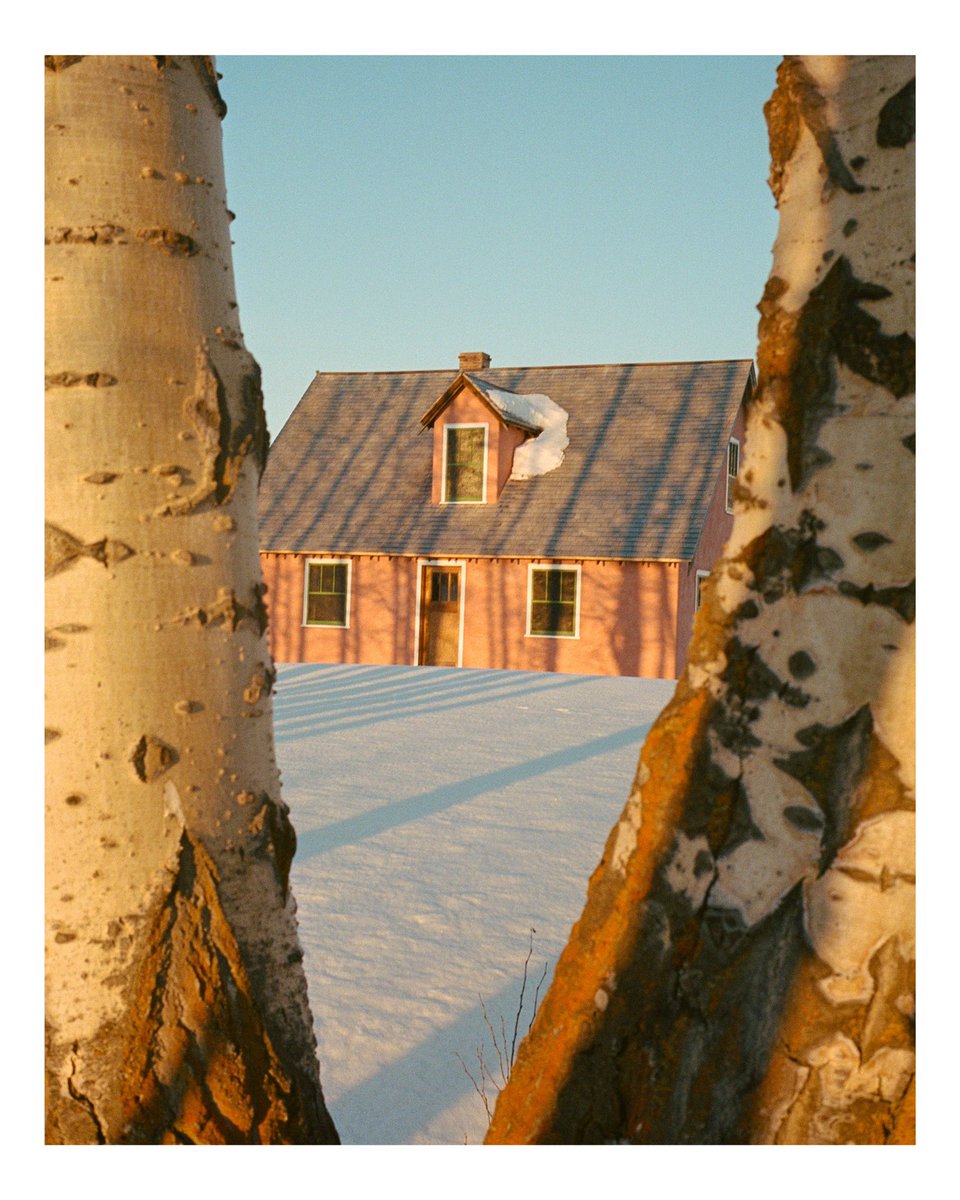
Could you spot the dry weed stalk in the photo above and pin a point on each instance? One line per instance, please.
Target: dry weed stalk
(505, 1052)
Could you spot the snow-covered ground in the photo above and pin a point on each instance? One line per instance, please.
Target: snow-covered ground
(441, 815)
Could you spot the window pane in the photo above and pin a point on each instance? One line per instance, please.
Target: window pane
(472, 449)
(540, 617)
(465, 464)
(468, 445)
(733, 460)
(328, 578)
(444, 586)
(552, 618)
(327, 593)
(326, 608)
(329, 608)
(470, 480)
(464, 482)
(553, 602)
(563, 618)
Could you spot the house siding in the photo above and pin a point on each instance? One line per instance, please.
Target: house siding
(637, 504)
(628, 616)
(381, 618)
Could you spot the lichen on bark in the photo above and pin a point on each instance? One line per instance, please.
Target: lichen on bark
(750, 922)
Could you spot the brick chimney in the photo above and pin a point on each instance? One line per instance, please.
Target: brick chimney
(474, 360)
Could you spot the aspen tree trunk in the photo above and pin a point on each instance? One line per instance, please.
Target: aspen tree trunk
(743, 968)
(176, 1001)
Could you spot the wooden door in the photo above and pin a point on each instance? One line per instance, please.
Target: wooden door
(440, 617)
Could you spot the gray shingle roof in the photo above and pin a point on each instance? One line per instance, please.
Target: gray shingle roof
(350, 472)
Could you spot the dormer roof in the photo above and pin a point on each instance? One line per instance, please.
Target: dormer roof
(510, 407)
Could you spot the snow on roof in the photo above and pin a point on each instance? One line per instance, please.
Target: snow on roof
(533, 411)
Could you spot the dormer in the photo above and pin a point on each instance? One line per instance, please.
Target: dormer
(476, 429)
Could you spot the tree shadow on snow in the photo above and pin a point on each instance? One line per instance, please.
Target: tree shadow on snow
(412, 808)
(323, 699)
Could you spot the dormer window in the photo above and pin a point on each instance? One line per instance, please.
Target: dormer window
(484, 436)
(465, 464)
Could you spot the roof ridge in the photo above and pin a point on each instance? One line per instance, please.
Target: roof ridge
(676, 362)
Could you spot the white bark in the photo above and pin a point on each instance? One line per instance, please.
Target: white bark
(167, 844)
(755, 900)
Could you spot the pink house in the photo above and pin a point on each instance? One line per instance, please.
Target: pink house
(535, 518)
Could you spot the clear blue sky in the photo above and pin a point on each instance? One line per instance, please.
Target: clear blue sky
(392, 212)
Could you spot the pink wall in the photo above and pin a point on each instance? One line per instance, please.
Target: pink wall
(382, 616)
(627, 620)
(628, 617)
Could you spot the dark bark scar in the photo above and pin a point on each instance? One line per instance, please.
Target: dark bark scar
(62, 550)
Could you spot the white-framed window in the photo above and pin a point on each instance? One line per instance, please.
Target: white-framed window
(733, 470)
(697, 598)
(465, 464)
(553, 600)
(326, 592)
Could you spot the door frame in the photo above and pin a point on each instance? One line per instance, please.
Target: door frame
(418, 610)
